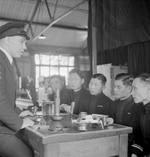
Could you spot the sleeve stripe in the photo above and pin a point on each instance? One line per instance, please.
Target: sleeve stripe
(138, 147)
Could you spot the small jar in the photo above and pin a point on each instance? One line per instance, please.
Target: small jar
(82, 126)
(82, 115)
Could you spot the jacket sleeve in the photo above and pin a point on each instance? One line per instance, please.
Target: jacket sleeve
(137, 146)
(113, 110)
(8, 116)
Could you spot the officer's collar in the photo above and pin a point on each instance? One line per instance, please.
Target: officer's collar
(7, 55)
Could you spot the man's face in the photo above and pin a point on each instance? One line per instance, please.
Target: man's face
(17, 45)
(140, 91)
(95, 86)
(56, 83)
(75, 82)
(121, 91)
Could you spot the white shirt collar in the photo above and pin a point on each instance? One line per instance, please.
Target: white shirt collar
(7, 55)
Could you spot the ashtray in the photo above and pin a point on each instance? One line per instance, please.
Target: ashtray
(56, 117)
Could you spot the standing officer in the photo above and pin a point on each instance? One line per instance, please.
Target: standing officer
(12, 45)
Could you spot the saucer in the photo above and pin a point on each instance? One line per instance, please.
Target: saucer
(57, 118)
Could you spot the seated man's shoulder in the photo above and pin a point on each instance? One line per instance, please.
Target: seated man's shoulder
(106, 98)
(85, 92)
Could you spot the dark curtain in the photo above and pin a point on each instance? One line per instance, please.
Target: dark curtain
(135, 56)
(123, 33)
(120, 22)
(118, 56)
(139, 58)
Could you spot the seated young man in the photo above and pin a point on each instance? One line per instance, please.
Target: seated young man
(141, 94)
(125, 111)
(80, 96)
(56, 83)
(99, 102)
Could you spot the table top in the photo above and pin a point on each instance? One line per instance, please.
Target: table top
(64, 130)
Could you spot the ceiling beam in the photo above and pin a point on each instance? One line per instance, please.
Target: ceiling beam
(59, 5)
(48, 9)
(54, 21)
(55, 8)
(44, 24)
(33, 14)
(38, 48)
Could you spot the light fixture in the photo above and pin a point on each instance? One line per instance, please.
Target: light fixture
(42, 37)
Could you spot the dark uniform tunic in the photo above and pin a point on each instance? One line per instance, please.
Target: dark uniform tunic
(81, 99)
(9, 119)
(145, 128)
(126, 112)
(100, 104)
(10, 122)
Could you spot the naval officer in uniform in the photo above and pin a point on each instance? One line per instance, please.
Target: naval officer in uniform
(12, 45)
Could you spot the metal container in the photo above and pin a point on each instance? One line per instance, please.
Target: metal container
(47, 108)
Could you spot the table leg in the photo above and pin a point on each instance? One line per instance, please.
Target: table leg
(123, 145)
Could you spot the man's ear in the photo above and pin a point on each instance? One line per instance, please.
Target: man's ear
(130, 88)
(148, 90)
(82, 81)
(103, 87)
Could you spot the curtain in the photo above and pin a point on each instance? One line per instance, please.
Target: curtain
(135, 56)
(139, 58)
(118, 56)
(119, 22)
(122, 33)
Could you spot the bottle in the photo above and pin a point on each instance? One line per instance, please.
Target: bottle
(57, 103)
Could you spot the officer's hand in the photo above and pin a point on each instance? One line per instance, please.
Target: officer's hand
(66, 108)
(109, 121)
(26, 113)
(27, 122)
(133, 155)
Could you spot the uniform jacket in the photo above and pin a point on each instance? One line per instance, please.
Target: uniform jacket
(9, 119)
(100, 104)
(126, 112)
(145, 128)
(81, 99)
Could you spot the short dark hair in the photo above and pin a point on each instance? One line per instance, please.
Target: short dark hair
(78, 72)
(145, 77)
(100, 77)
(126, 78)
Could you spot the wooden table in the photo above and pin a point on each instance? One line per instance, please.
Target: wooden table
(70, 142)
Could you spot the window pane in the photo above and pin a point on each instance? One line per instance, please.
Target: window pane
(71, 61)
(63, 71)
(44, 59)
(63, 60)
(47, 65)
(54, 71)
(37, 59)
(70, 68)
(44, 71)
(54, 60)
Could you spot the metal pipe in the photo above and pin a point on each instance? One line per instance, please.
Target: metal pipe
(33, 14)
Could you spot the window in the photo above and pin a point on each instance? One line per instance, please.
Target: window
(48, 65)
